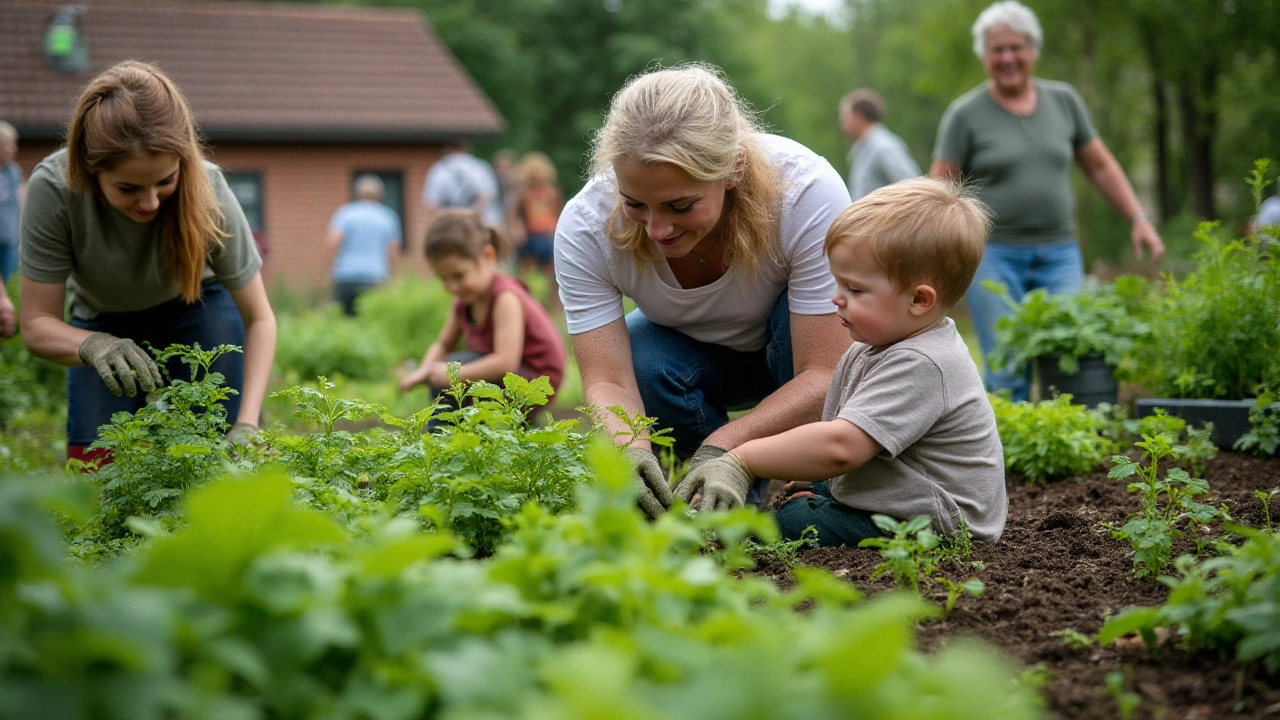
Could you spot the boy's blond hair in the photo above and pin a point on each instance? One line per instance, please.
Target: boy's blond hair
(918, 230)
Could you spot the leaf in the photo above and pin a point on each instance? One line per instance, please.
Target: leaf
(231, 523)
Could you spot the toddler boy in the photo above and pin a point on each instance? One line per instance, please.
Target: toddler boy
(907, 428)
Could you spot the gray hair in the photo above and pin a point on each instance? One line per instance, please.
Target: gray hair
(1011, 14)
(7, 132)
(369, 187)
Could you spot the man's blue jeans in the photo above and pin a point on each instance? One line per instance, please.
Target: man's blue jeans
(1058, 268)
(211, 321)
(690, 386)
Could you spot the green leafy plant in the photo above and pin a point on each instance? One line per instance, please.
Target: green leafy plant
(171, 445)
(1264, 496)
(257, 607)
(1217, 329)
(1263, 437)
(1073, 639)
(1096, 321)
(1127, 703)
(908, 553)
(470, 474)
(1050, 439)
(1226, 604)
(1152, 531)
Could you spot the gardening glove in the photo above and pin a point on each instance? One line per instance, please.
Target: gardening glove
(724, 482)
(241, 433)
(655, 494)
(117, 361)
(686, 489)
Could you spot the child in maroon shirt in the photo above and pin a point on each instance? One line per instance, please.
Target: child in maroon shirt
(503, 328)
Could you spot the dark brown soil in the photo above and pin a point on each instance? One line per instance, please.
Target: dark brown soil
(1056, 569)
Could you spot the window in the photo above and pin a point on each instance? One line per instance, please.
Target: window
(393, 195)
(247, 187)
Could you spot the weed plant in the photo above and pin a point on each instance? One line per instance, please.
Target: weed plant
(1169, 501)
(1227, 604)
(1049, 440)
(908, 552)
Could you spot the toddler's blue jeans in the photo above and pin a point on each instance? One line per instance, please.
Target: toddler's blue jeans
(1058, 268)
(211, 321)
(836, 523)
(690, 386)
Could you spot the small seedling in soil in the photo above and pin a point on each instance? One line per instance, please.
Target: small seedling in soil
(1073, 639)
(1265, 496)
(1127, 702)
(911, 554)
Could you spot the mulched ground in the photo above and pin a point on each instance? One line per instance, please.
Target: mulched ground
(1054, 569)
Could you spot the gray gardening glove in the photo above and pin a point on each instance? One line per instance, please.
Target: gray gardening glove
(654, 493)
(686, 489)
(241, 433)
(724, 482)
(117, 361)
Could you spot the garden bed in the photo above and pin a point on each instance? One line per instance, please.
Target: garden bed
(1055, 569)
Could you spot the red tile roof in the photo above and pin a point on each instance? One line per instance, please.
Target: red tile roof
(256, 71)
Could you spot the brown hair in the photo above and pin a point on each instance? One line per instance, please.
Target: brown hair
(536, 169)
(133, 109)
(461, 232)
(690, 117)
(866, 102)
(918, 230)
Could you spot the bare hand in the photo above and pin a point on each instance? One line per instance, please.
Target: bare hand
(1144, 233)
(412, 380)
(8, 316)
(437, 373)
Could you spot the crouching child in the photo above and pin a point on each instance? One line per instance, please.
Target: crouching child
(907, 428)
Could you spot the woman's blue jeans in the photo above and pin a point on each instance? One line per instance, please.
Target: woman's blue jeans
(1058, 268)
(211, 321)
(690, 386)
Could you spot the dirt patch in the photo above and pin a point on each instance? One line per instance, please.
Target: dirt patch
(1056, 569)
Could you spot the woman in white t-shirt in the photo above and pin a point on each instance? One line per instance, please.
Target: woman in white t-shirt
(715, 230)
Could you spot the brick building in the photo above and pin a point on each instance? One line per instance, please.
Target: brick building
(295, 100)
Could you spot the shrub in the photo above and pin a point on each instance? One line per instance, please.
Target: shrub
(326, 342)
(1050, 439)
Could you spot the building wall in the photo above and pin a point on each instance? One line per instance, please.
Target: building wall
(302, 185)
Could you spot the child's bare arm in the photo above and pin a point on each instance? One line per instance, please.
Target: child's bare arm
(508, 342)
(817, 451)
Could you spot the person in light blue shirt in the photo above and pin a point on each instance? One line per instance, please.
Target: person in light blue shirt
(364, 237)
(878, 157)
(11, 190)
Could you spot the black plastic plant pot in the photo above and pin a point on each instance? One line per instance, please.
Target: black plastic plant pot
(1094, 383)
(1230, 418)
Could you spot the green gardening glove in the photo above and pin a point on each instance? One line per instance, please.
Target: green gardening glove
(687, 489)
(654, 496)
(723, 480)
(118, 361)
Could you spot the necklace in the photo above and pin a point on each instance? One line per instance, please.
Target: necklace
(702, 257)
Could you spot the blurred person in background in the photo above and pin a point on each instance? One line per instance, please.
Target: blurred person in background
(364, 241)
(461, 180)
(11, 192)
(1015, 139)
(878, 157)
(539, 201)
